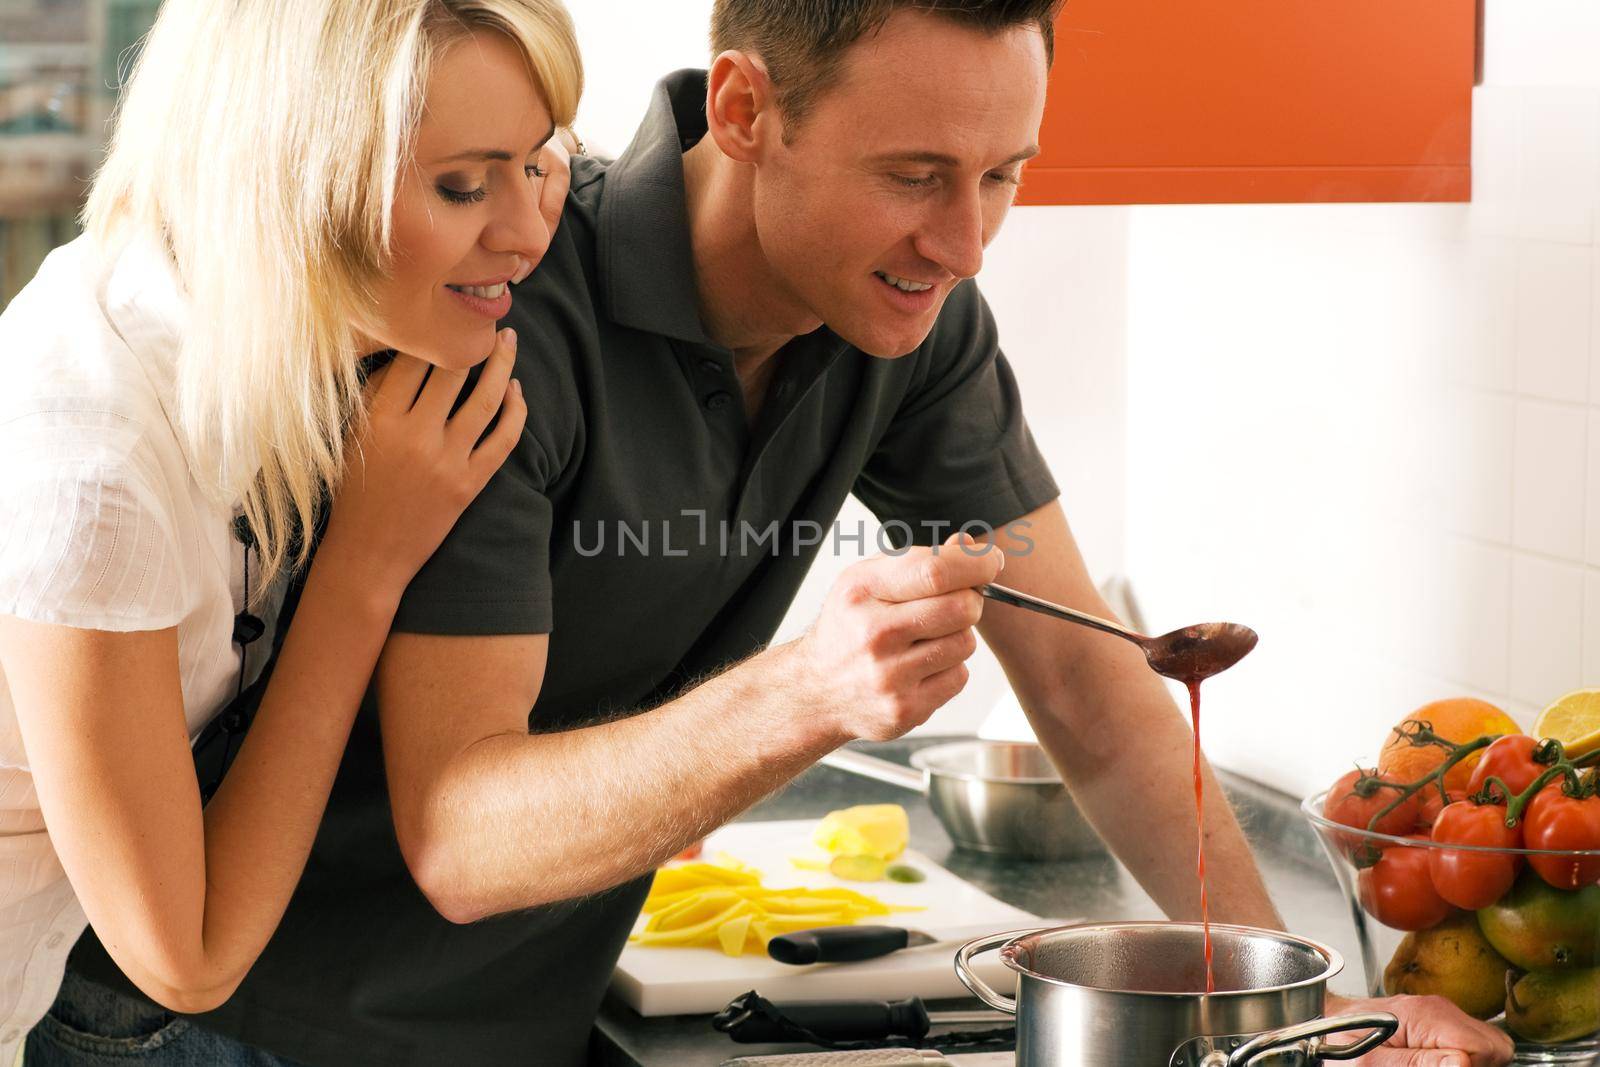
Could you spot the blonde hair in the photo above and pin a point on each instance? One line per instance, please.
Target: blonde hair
(261, 142)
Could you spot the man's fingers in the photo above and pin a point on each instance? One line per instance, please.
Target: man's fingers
(921, 620)
(928, 658)
(960, 563)
(939, 689)
(481, 405)
(1413, 1057)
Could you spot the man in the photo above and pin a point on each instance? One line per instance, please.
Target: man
(763, 305)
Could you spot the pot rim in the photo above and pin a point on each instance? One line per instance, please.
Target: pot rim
(1334, 961)
(923, 757)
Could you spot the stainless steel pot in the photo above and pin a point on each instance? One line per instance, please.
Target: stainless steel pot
(1123, 994)
(1000, 797)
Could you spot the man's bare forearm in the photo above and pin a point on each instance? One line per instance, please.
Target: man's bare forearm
(521, 820)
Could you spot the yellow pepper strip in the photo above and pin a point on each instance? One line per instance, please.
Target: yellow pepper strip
(701, 933)
(724, 905)
(693, 910)
(691, 875)
(734, 934)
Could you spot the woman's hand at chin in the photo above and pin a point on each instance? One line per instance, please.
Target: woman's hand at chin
(413, 468)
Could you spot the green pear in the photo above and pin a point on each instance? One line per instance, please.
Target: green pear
(1541, 928)
(1548, 1007)
(1453, 960)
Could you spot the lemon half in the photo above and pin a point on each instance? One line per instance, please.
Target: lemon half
(1574, 720)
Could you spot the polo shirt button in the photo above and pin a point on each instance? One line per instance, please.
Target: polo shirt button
(710, 366)
(11, 1035)
(54, 940)
(717, 400)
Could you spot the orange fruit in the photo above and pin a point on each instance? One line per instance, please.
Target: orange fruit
(1458, 720)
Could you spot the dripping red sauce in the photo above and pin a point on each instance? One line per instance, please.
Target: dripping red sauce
(1189, 658)
(1200, 834)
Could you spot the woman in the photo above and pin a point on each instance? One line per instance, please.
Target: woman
(292, 184)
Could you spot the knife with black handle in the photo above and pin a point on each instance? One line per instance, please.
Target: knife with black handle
(844, 944)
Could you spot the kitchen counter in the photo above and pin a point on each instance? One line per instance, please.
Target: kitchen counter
(1292, 862)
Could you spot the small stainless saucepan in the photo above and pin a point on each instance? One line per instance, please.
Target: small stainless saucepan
(999, 797)
(1132, 994)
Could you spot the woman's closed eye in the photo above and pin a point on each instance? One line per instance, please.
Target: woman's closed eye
(452, 192)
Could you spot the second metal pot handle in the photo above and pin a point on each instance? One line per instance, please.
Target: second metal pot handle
(1381, 1023)
(969, 977)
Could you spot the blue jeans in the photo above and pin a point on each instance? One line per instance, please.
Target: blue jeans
(92, 1026)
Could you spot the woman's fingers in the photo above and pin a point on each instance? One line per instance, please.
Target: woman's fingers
(493, 450)
(558, 177)
(439, 393)
(480, 407)
(398, 383)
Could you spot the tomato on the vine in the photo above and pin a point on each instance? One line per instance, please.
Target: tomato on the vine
(1509, 759)
(1398, 890)
(1346, 805)
(1473, 880)
(1433, 804)
(1554, 820)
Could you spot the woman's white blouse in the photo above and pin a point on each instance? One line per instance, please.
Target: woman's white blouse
(102, 527)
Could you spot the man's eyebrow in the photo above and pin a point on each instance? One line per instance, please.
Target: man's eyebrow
(497, 155)
(939, 159)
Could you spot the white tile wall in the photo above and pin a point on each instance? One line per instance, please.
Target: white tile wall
(1548, 475)
(1546, 629)
(1476, 462)
(1481, 339)
(1594, 326)
(1560, 164)
(1554, 290)
(1592, 553)
(1477, 609)
(1541, 42)
(1591, 628)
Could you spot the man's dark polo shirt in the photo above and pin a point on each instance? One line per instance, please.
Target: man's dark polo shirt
(634, 419)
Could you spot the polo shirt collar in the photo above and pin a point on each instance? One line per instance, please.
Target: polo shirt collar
(646, 263)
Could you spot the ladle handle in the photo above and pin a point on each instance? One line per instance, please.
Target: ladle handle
(1017, 599)
(969, 977)
(1381, 1023)
(877, 769)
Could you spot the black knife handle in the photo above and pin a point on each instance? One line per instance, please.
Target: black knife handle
(837, 944)
(845, 1020)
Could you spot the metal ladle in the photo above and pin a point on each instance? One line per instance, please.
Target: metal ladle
(1189, 655)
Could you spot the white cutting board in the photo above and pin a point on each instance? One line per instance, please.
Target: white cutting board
(684, 981)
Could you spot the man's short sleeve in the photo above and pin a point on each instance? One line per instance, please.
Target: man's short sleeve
(958, 450)
(492, 573)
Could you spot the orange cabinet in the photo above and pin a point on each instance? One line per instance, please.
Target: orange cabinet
(1251, 101)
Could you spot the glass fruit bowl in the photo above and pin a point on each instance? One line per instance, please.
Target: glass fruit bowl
(1529, 960)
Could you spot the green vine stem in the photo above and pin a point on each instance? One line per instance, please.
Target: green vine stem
(1548, 751)
(1367, 785)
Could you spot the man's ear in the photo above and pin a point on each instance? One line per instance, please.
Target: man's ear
(741, 110)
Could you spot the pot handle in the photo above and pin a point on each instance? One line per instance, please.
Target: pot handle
(880, 770)
(970, 979)
(1312, 1033)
